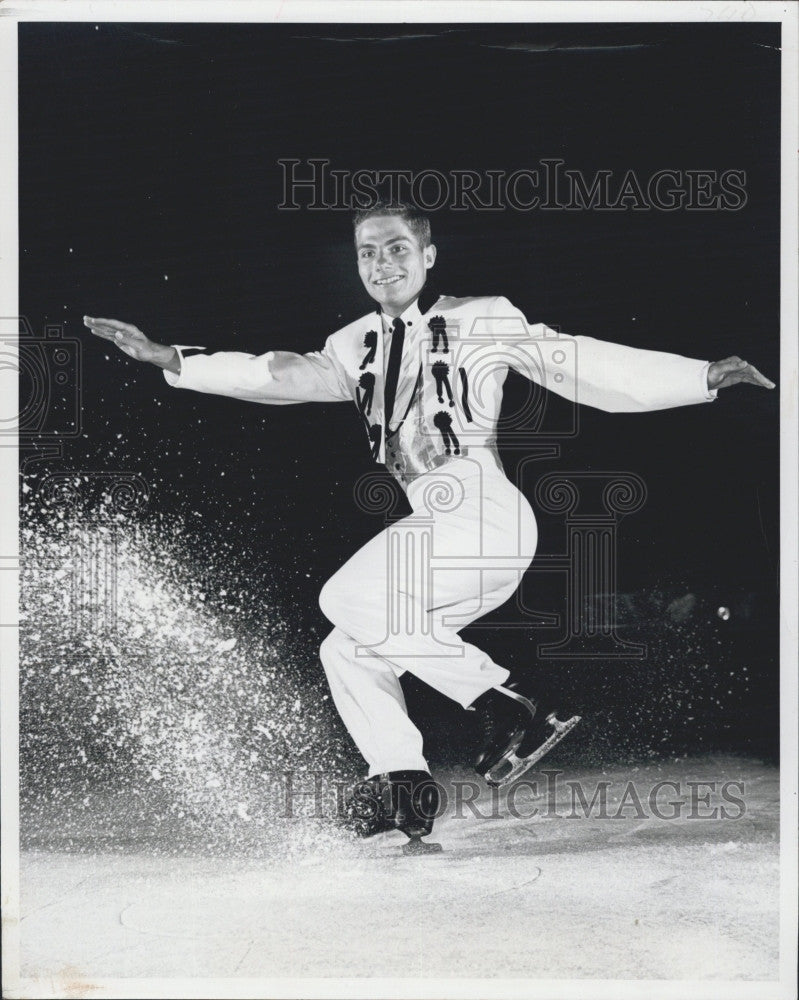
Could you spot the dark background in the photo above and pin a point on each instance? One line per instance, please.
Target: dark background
(149, 188)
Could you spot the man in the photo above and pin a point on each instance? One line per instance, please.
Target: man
(426, 375)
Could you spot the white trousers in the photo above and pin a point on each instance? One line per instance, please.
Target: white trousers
(400, 601)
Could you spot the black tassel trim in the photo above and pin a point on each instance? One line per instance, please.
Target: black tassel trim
(465, 396)
(370, 343)
(367, 383)
(440, 371)
(443, 422)
(438, 327)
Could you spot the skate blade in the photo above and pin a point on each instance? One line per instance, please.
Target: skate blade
(518, 765)
(416, 847)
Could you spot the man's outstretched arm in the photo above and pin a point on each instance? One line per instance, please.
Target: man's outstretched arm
(610, 376)
(277, 377)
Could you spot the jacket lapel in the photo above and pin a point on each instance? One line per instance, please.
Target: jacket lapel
(413, 362)
(373, 363)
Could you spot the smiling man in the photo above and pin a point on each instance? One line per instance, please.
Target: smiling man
(412, 367)
(394, 256)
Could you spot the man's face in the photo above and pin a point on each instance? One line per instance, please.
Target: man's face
(392, 265)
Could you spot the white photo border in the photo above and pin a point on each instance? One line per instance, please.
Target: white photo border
(389, 11)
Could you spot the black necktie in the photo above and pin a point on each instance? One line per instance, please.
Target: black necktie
(392, 374)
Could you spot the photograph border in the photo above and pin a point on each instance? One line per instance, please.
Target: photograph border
(389, 11)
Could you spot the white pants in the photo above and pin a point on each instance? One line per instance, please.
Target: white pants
(400, 601)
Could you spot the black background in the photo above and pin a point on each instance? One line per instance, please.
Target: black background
(149, 188)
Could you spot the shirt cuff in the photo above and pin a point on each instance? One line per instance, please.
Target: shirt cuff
(176, 381)
(709, 393)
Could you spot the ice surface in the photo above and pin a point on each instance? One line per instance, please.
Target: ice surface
(532, 896)
(173, 716)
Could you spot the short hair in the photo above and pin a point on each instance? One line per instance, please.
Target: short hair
(413, 217)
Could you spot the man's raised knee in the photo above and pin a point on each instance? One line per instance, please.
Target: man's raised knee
(328, 648)
(331, 600)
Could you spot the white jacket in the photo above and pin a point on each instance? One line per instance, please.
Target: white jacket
(455, 360)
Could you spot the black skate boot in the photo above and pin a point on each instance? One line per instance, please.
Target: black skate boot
(518, 730)
(398, 800)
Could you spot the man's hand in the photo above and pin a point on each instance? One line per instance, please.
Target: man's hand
(722, 374)
(131, 341)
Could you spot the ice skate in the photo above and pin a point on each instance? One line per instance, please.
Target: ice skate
(398, 800)
(518, 731)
